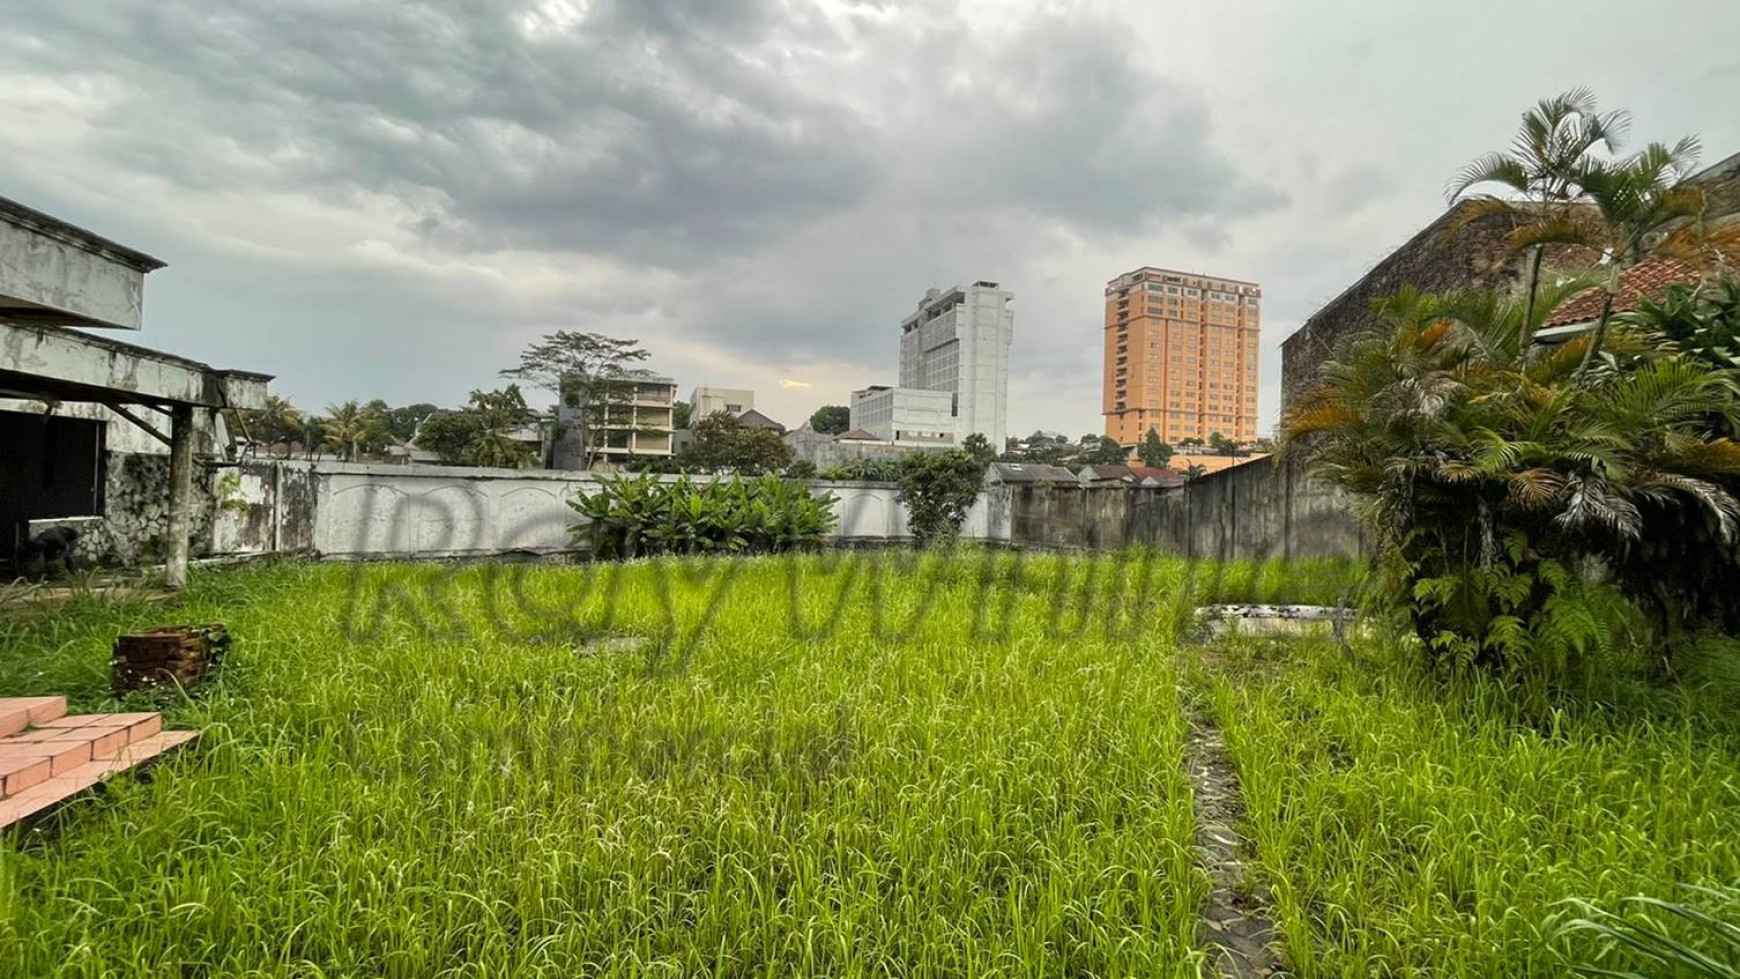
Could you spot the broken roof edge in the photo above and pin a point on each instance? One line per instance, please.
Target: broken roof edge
(71, 365)
(72, 234)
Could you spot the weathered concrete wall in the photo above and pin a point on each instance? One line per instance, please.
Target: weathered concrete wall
(827, 455)
(1070, 515)
(364, 510)
(1257, 511)
(346, 510)
(43, 264)
(136, 513)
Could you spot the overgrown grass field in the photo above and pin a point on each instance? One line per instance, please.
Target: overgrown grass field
(837, 764)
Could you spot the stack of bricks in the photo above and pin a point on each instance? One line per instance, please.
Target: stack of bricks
(47, 755)
(178, 656)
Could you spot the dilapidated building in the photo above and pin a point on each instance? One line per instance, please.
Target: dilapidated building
(120, 442)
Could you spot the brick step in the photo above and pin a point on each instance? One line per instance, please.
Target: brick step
(55, 747)
(18, 713)
(77, 778)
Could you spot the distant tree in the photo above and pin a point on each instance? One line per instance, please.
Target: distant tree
(1047, 449)
(482, 433)
(801, 469)
(979, 447)
(448, 434)
(348, 426)
(500, 415)
(831, 419)
(937, 489)
(722, 443)
(1153, 452)
(276, 422)
(680, 414)
(1107, 453)
(1222, 445)
(313, 435)
(401, 423)
(585, 371)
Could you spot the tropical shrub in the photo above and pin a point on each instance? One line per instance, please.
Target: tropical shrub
(1699, 319)
(938, 488)
(1526, 511)
(644, 516)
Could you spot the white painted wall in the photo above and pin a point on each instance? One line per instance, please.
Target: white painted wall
(442, 511)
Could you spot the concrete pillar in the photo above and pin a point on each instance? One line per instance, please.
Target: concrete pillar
(180, 494)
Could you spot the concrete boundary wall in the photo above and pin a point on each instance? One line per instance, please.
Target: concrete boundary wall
(365, 510)
(1256, 511)
(337, 510)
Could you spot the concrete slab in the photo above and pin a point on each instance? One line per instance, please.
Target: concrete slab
(55, 272)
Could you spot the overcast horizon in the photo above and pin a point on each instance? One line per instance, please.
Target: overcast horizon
(371, 199)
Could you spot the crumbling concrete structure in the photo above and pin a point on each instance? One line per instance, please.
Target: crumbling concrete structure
(73, 387)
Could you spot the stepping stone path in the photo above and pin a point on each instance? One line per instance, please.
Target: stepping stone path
(47, 755)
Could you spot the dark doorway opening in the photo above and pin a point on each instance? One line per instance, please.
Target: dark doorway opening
(50, 467)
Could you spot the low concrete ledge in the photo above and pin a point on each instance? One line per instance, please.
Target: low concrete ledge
(1271, 620)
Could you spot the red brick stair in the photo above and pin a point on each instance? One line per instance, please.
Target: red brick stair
(47, 755)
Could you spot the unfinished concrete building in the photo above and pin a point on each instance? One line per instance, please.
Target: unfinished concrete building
(97, 434)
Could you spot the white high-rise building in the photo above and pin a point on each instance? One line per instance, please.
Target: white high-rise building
(958, 341)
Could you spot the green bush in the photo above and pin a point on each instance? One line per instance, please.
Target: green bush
(938, 488)
(645, 516)
(1527, 512)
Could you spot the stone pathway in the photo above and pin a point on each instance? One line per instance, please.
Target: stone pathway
(1235, 918)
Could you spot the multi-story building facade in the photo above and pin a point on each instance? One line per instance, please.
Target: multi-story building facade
(627, 419)
(958, 341)
(704, 401)
(1181, 354)
(905, 416)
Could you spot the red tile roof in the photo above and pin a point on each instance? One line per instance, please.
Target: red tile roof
(1650, 278)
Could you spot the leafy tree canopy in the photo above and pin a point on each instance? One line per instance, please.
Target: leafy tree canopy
(831, 419)
(722, 444)
(938, 488)
(1154, 452)
(483, 433)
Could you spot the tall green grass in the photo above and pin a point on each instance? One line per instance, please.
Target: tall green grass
(833, 764)
(1414, 827)
(826, 765)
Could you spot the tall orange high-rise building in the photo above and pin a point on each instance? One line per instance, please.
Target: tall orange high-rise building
(1181, 356)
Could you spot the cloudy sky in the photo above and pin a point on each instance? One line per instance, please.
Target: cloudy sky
(380, 198)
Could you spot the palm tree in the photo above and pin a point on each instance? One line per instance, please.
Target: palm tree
(346, 425)
(498, 417)
(312, 436)
(1488, 469)
(1641, 208)
(276, 421)
(1542, 170)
